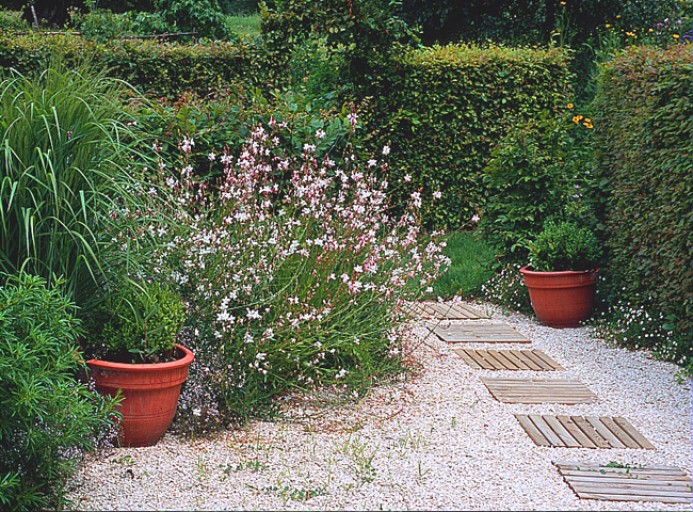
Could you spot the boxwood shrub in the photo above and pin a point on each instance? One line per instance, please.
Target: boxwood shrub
(442, 109)
(645, 156)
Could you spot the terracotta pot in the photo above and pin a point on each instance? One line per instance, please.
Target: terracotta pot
(150, 394)
(561, 299)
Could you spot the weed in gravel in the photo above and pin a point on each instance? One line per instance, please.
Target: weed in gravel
(362, 457)
(413, 441)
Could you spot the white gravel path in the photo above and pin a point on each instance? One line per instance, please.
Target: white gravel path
(433, 441)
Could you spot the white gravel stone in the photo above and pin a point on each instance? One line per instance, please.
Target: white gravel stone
(435, 440)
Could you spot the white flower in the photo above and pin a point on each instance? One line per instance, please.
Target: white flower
(407, 178)
(386, 150)
(320, 134)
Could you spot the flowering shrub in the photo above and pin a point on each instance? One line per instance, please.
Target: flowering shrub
(507, 289)
(292, 269)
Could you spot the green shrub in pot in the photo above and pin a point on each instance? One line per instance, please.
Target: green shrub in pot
(564, 246)
(136, 322)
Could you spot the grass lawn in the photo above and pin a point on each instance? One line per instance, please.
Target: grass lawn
(247, 26)
(472, 265)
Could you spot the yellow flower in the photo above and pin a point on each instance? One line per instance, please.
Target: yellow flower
(588, 126)
(608, 25)
(675, 36)
(570, 106)
(630, 34)
(577, 119)
(617, 17)
(562, 3)
(588, 120)
(651, 30)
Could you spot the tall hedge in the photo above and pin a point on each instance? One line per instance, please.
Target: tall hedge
(160, 69)
(644, 130)
(442, 109)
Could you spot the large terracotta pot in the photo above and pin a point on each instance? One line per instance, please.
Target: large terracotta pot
(150, 394)
(561, 299)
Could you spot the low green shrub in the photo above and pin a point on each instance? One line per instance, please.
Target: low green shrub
(158, 69)
(12, 21)
(645, 157)
(539, 171)
(48, 418)
(564, 246)
(443, 109)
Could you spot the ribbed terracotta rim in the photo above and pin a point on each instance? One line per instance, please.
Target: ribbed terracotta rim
(187, 358)
(526, 270)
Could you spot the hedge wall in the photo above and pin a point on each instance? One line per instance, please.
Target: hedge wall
(160, 69)
(644, 128)
(443, 108)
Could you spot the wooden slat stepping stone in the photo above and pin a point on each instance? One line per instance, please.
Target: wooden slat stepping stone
(508, 360)
(665, 484)
(445, 311)
(539, 391)
(582, 432)
(479, 333)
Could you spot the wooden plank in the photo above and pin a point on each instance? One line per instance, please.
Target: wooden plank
(505, 363)
(618, 432)
(618, 497)
(470, 359)
(617, 481)
(545, 430)
(477, 333)
(517, 358)
(635, 476)
(633, 433)
(605, 432)
(590, 432)
(629, 489)
(562, 432)
(541, 358)
(532, 431)
(575, 431)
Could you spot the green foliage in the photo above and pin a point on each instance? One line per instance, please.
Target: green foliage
(443, 109)
(12, 21)
(204, 17)
(244, 26)
(66, 148)
(507, 289)
(48, 418)
(645, 155)
(472, 263)
(368, 32)
(223, 123)
(564, 246)
(537, 172)
(136, 322)
(103, 25)
(155, 68)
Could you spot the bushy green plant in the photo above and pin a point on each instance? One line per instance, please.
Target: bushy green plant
(103, 25)
(135, 322)
(507, 289)
(538, 171)
(12, 21)
(293, 273)
(564, 246)
(204, 17)
(48, 418)
(67, 166)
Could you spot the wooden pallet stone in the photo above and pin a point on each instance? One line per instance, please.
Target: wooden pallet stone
(508, 360)
(582, 432)
(479, 333)
(539, 391)
(445, 311)
(665, 484)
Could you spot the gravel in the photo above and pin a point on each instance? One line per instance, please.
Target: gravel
(433, 440)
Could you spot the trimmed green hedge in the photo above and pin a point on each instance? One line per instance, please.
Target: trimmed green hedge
(159, 69)
(442, 109)
(644, 147)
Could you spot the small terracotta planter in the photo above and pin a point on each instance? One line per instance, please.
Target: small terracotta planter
(561, 299)
(150, 394)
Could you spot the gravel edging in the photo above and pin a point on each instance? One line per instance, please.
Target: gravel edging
(435, 440)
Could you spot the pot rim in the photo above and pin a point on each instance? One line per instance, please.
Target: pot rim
(527, 270)
(187, 358)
